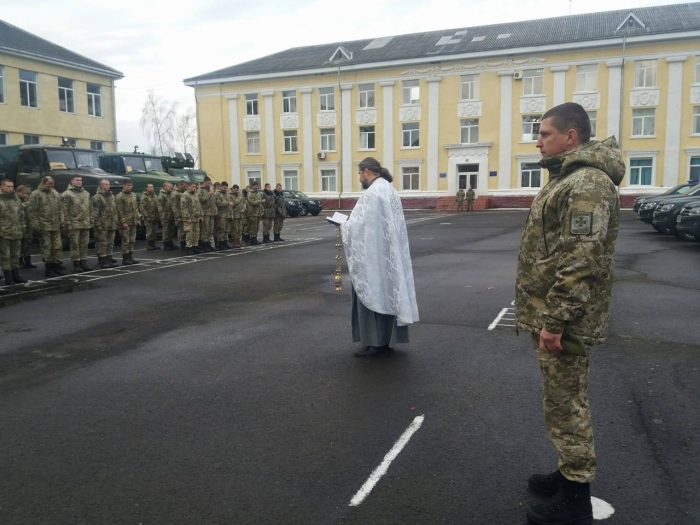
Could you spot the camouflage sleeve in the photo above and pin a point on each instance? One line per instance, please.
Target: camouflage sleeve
(159, 205)
(33, 211)
(121, 213)
(65, 206)
(584, 216)
(91, 212)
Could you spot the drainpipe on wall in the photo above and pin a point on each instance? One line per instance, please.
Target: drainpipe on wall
(198, 163)
(622, 88)
(340, 142)
(114, 116)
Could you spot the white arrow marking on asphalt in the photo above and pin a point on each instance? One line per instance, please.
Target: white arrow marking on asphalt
(384, 466)
(601, 509)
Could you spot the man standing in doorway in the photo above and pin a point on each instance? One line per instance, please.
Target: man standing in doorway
(149, 213)
(470, 199)
(129, 220)
(460, 199)
(563, 293)
(77, 215)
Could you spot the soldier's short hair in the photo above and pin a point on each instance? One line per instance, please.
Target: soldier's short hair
(46, 179)
(4, 181)
(236, 186)
(255, 183)
(127, 181)
(76, 177)
(224, 184)
(206, 179)
(21, 188)
(570, 115)
(103, 180)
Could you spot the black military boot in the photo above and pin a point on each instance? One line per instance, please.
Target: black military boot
(84, 265)
(151, 245)
(50, 271)
(193, 251)
(217, 246)
(227, 246)
(16, 277)
(131, 258)
(113, 261)
(125, 260)
(254, 241)
(246, 239)
(77, 268)
(183, 246)
(208, 247)
(8, 277)
(58, 269)
(278, 238)
(546, 484)
(570, 506)
(266, 239)
(60, 265)
(26, 262)
(168, 246)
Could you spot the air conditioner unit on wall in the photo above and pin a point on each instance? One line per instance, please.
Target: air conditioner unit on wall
(321, 155)
(518, 75)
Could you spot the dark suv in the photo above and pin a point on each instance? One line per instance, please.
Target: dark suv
(681, 189)
(667, 211)
(647, 210)
(312, 206)
(688, 222)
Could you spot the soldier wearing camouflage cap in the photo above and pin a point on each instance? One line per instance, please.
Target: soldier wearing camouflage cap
(563, 292)
(77, 212)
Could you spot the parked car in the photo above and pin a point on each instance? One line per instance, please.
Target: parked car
(646, 211)
(667, 211)
(292, 206)
(681, 189)
(312, 206)
(688, 222)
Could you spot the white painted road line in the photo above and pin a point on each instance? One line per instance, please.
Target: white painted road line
(384, 466)
(602, 510)
(498, 319)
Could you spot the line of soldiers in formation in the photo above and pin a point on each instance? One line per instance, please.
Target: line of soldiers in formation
(198, 213)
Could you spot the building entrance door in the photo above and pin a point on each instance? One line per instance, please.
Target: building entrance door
(468, 175)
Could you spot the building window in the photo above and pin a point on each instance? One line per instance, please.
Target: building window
(366, 95)
(530, 175)
(328, 180)
(643, 121)
(253, 176)
(251, 104)
(533, 82)
(470, 87)
(94, 97)
(587, 77)
(593, 117)
(290, 142)
(290, 179)
(411, 138)
(469, 130)
(696, 120)
(367, 137)
(252, 139)
(531, 127)
(410, 92)
(645, 73)
(32, 139)
(641, 171)
(27, 89)
(289, 101)
(328, 139)
(327, 99)
(74, 143)
(694, 168)
(410, 178)
(97, 145)
(3, 139)
(66, 101)
(2, 84)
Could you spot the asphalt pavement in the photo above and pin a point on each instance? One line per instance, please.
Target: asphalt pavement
(222, 389)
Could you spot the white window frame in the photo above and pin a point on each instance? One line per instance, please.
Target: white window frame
(327, 136)
(250, 175)
(291, 141)
(68, 96)
(291, 175)
(326, 97)
(637, 169)
(471, 127)
(696, 120)
(333, 178)
(251, 105)
(645, 73)
(410, 135)
(3, 137)
(533, 82)
(365, 136)
(252, 142)
(94, 100)
(2, 84)
(413, 176)
(25, 87)
(289, 101)
(366, 96)
(470, 87)
(38, 141)
(587, 78)
(532, 124)
(690, 166)
(530, 160)
(97, 145)
(410, 92)
(646, 122)
(641, 154)
(593, 117)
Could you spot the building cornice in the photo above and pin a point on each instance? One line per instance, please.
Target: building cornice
(63, 63)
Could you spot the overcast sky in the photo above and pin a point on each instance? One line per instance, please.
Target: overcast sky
(158, 43)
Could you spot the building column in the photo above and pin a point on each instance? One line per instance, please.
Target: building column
(269, 138)
(614, 98)
(234, 145)
(673, 120)
(388, 124)
(308, 167)
(433, 131)
(346, 137)
(559, 84)
(506, 136)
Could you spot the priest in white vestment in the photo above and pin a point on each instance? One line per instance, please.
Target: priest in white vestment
(376, 247)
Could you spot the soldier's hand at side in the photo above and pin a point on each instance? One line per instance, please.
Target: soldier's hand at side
(550, 343)
(125, 226)
(138, 223)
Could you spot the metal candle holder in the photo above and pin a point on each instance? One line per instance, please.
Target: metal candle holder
(338, 280)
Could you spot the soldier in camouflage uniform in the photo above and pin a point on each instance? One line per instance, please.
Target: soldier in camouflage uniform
(129, 220)
(563, 293)
(148, 207)
(237, 211)
(105, 220)
(206, 198)
(192, 217)
(280, 212)
(46, 216)
(167, 219)
(224, 204)
(460, 199)
(245, 222)
(268, 212)
(11, 231)
(25, 254)
(177, 214)
(470, 199)
(77, 215)
(254, 205)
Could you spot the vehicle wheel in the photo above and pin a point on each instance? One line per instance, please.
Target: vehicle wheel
(314, 213)
(304, 210)
(685, 236)
(293, 214)
(658, 228)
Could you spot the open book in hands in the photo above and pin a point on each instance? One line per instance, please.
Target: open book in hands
(338, 218)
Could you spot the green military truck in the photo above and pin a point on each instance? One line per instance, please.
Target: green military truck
(182, 166)
(140, 168)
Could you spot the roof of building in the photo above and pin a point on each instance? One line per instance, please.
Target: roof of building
(16, 41)
(468, 40)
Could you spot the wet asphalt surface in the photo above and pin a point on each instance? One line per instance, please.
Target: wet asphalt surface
(223, 389)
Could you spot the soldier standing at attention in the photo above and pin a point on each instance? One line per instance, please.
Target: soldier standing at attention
(149, 213)
(254, 205)
(563, 293)
(245, 222)
(470, 199)
(460, 199)
(280, 212)
(11, 231)
(177, 213)
(106, 221)
(129, 219)
(192, 217)
(167, 219)
(223, 217)
(46, 216)
(25, 254)
(237, 211)
(268, 212)
(77, 214)
(206, 198)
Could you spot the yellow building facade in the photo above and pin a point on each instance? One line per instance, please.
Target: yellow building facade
(48, 92)
(459, 118)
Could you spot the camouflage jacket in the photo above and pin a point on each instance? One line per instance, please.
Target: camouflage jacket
(11, 217)
(238, 208)
(460, 195)
(566, 259)
(254, 204)
(45, 212)
(149, 207)
(223, 204)
(25, 213)
(165, 205)
(269, 205)
(77, 208)
(128, 208)
(470, 195)
(208, 201)
(190, 207)
(280, 209)
(175, 200)
(104, 210)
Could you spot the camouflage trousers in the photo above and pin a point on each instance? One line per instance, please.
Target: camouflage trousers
(253, 227)
(51, 246)
(152, 230)
(128, 238)
(279, 224)
(26, 249)
(222, 227)
(460, 205)
(206, 229)
(181, 233)
(192, 233)
(567, 414)
(105, 242)
(79, 240)
(470, 205)
(168, 230)
(235, 232)
(9, 253)
(267, 225)
(245, 224)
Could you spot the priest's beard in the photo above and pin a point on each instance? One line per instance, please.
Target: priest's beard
(365, 185)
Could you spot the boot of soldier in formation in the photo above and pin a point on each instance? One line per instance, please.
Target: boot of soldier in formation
(266, 239)
(168, 246)
(151, 245)
(254, 241)
(131, 258)
(17, 278)
(208, 247)
(77, 267)
(8, 277)
(125, 260)
(59, 268)
(26, 262)
(246, 239)
(84, 265)
(278, 238)
(571, 506)
(51, 270)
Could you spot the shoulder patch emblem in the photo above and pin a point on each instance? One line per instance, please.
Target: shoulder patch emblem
(581, 223)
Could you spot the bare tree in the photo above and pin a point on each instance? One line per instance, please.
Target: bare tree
(186, 132)
(159, 122)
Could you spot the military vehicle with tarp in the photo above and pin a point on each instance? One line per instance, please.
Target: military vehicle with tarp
(142, 169)
(182, 166)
